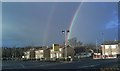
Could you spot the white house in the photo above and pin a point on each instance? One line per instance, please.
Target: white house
(26, 55)
(110, 49)
(56, 51)
(29, 54)
(42, 53)
(39, 53)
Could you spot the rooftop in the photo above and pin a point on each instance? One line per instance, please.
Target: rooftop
(110, 42)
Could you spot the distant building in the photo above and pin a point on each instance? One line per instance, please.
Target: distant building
(110, 49)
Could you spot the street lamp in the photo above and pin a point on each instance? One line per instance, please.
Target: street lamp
(96, 46)
(14, 52)
(103, 43)
(66, 33)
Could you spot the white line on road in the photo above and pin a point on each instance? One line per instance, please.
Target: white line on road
(83, 66)
(88, 66)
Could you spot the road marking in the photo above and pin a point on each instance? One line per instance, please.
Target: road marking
(83, 66)
(88, 66)
(92, 65)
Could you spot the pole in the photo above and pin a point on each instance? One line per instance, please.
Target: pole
(103, 44)
(96, 45)
(65, 46)
(14, 52)
(66, 32)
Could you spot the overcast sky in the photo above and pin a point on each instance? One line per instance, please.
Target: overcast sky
(41, 23)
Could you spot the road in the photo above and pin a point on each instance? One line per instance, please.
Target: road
(82, 64)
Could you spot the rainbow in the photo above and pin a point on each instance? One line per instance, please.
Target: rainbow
(71, 23)
(73, 20)
(46, 32)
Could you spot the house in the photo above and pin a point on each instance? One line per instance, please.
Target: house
(110, 49)
(42, 53)
(56, 51)
(61, 52)
(68, 51)
(47, 54)
(29, 54)
(39, 53)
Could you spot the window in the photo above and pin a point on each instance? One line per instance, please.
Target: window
(114, 53)
(60, 49)
(41, 51)
(60, 55)
(106, 47)
(113, 47)
(106, 53)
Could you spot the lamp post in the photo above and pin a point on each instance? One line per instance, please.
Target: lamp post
(65, 32)
(14, 52)
(103, 43)
(96, 46)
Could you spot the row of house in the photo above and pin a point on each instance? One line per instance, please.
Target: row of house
(109, 49)
(47, 53)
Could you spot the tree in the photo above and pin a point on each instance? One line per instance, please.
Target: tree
(79, 50)
(79, 44)
(72, 42)
(90, 46)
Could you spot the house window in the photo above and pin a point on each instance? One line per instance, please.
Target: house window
(41, 51)
(106, 47)
(106, 53)
(114, 47)
(109, 46)
(114, 53)
(60, 55)
(60, 49)
(51, 55)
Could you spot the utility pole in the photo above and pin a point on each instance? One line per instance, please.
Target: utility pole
(65, 33)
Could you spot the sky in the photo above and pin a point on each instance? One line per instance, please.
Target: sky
(0, 24)
(39, 23)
